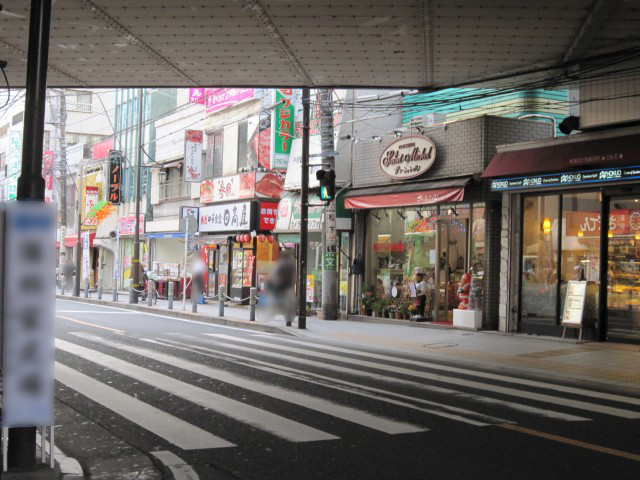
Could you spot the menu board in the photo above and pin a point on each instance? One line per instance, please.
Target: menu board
(574, 303)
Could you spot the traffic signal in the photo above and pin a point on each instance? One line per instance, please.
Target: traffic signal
(327, 179)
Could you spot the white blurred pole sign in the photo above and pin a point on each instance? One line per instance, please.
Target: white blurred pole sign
(86, 266)
(28, 310)
(193, 155)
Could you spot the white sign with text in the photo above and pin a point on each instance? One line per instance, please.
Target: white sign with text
(29, 314)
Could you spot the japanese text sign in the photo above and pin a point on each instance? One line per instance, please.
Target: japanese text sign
(284, 125)
(196, 95)
(220, 98)
(268, 215)
(115, 176)
(226, 218)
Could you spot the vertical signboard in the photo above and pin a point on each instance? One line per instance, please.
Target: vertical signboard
(115, 176)
(193, 155)
(283, 128)
(91, 194)
(47, 174)
(86, 267)
(29, 313)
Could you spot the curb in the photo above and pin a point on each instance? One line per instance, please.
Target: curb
(215, 320)
(70, 468)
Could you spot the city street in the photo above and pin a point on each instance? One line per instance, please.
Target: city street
(221, 402)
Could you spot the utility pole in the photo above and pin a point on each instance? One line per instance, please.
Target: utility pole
(62, 197)
(133, 293)
(329, 232)
(22, 441)
(76, 286)
(304, 214)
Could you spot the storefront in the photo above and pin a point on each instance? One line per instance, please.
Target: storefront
(240, 250)
(427, 225)
(558, 194)
(288, 235)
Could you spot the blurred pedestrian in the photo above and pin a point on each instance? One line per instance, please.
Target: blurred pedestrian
(68, 270)
(280, 286)
(198, 271)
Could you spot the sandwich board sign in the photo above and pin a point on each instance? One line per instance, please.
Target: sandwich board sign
(574, 306)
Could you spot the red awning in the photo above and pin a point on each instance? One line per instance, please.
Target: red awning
(72, 240)
(566, 155)
(406, 199)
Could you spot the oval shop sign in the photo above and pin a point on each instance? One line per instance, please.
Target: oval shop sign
(408, 157)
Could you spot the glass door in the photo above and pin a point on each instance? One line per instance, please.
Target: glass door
(623, 274)
(453, 260)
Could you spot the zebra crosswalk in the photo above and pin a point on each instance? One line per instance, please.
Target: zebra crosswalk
(305, 392)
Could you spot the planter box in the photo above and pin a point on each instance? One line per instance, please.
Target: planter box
(467, 319)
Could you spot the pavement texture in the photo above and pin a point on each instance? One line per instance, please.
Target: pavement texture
(595, 362)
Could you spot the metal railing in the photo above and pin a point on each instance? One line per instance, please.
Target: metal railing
(80, 107)
(173, 190)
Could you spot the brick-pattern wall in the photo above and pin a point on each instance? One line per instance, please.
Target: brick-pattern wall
(458, 152)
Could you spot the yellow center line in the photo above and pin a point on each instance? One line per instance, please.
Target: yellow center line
(570, 441)
(115, 330)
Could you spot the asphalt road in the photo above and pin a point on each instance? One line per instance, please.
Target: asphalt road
(230, 403)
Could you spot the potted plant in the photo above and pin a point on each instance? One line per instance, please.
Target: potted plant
(384, 306)
(367, 298)
(376, 307)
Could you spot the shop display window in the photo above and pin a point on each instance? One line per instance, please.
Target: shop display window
(399, 241)
(540, 236)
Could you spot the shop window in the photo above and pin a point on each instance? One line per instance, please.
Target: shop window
(399, 241)
(4, 130)
(540, 237)
(580, 245)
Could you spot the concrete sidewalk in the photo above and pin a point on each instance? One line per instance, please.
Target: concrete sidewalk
(592, 362)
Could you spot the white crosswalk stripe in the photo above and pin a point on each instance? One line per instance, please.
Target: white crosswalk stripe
(518, 407)
(484, 375)
(349, 414)
(530, 395)
(242, 412)
(460, 415)
(168, 427)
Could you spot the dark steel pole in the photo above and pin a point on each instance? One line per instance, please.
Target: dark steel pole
(136, 234)
(22, 441)
(304, 214)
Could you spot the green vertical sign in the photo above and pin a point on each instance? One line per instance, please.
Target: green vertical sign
(283, 128)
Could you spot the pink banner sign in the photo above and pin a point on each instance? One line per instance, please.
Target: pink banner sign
(220, 98)
(196, 95)
(406, 199)
(127, 225)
